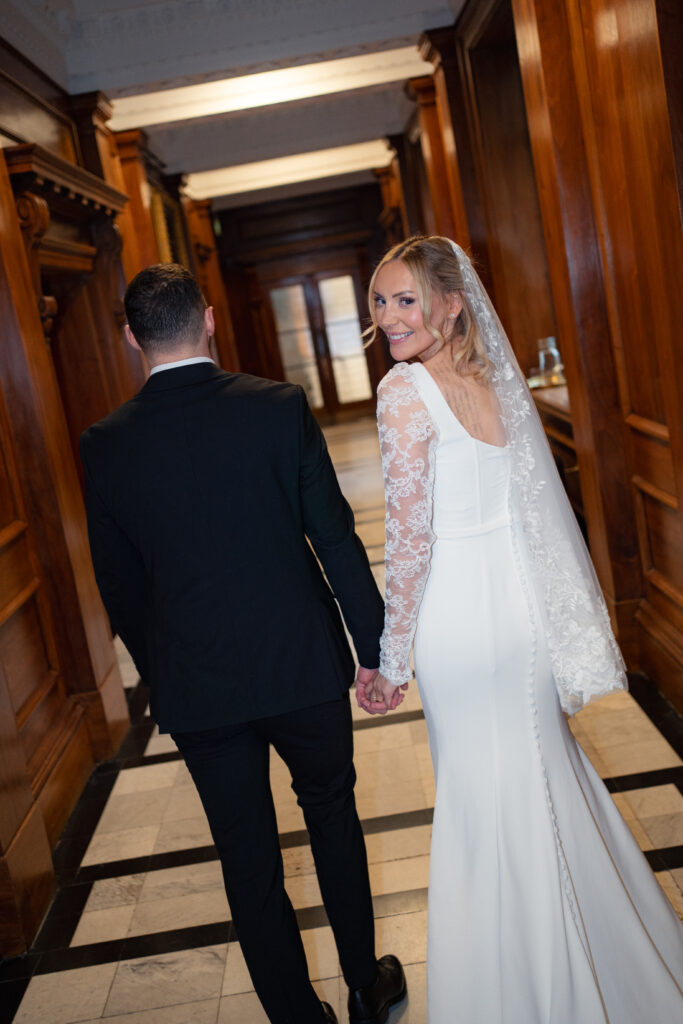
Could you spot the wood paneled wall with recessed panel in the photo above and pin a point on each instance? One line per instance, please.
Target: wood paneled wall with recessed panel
(63, 364)
(603, 148)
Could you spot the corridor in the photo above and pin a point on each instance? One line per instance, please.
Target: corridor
(139, 931)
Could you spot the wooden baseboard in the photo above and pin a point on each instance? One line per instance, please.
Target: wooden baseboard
(661, 653)
(27, 883)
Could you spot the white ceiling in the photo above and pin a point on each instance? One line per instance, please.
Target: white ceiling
(133, 50)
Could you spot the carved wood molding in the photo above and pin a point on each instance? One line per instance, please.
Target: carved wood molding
(75, 190)
(34, 220)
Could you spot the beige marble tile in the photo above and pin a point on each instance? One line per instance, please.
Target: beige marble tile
(130, 842)
(672, 889)
(289, 815)
(236, 976)
(169, 883)
(203, 1012)
(298, 860)
(321, 953)
(131, 810)
(654, 800)
(333, 991)
(404, 935)
(101, 925)
(153, 776)
(626, 758)
(245, 1009)
(66, 996)
(160, 743)
(664, 829)
(182, 835)
(371, 532)
(375, 799)
(183, 802)
(115, 892)
(626, 725)
(383, 737)
(303, 890)
(639, 834)
(399, 844)
(167, 979)
(399, 875)
(180, 912)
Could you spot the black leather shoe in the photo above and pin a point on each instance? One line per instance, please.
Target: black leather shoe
(371, 1005)
(330, 1015)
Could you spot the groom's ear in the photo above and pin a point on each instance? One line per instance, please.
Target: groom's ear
(209, 322)
(130, 338)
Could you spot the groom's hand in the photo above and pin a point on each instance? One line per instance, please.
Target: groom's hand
(364, 678)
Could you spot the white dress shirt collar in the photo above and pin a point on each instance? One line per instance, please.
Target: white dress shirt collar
(179, 362)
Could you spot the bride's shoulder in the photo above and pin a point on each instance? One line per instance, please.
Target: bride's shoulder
(400, 378)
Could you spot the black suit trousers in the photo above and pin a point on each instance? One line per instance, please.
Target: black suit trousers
(230, 768)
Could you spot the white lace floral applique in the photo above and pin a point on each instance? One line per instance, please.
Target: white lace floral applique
(407, 439)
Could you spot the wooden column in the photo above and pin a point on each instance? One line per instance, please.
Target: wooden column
(393, 219)
(441, 219)
(439, 46)
(444, 49)
(91, 112)
(198, 218)
(133, 153)
(552, 89)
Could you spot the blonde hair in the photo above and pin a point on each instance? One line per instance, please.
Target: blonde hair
(434, 266)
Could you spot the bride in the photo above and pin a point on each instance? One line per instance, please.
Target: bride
(542, 909)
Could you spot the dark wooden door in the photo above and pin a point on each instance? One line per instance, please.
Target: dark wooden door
(318, 332)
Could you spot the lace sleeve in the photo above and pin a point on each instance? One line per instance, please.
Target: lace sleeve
(407, 439)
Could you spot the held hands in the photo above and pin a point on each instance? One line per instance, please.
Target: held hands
(375, 694)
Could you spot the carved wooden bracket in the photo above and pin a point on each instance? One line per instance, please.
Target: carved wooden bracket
(204, 252)
(34, 220)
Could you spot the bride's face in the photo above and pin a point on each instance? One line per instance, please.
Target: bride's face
(398, 313)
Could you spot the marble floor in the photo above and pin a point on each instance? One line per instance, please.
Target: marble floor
(140, 933)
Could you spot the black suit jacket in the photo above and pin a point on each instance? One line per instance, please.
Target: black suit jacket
(201, 492)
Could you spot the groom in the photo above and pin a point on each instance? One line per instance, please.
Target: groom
(202, 494)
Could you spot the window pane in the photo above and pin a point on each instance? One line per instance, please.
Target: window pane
(343, 328)
(296, 343)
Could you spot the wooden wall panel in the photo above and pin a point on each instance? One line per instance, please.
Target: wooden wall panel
(61, 698)
(635, 186)
(198, 217)
(603, 147)
(553, 91)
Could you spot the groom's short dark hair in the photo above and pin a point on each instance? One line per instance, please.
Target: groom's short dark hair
(164, 307)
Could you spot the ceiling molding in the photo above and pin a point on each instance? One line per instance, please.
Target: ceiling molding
(320, 123)
(284, 85)
(287, 170)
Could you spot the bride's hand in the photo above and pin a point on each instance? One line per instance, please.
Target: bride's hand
(384, 695)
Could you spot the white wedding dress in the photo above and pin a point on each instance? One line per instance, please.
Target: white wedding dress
(542, 909)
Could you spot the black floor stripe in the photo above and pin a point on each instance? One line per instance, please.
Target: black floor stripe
(668, 858)
(202, 854)
(213, 934)
(645, 780)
